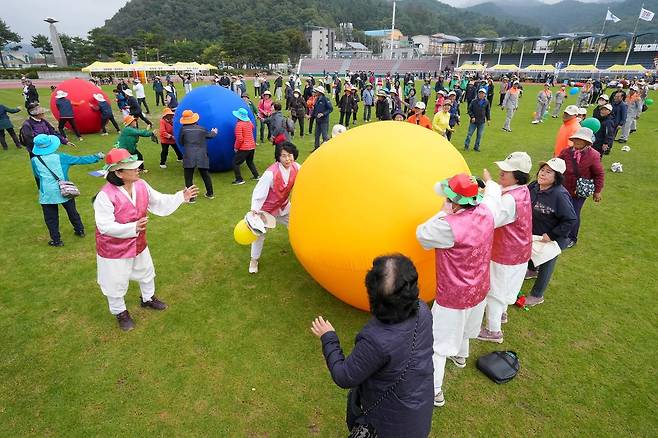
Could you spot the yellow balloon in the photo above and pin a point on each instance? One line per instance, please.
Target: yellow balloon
(362, 195)
(242, 234)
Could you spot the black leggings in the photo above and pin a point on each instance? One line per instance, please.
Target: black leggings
(165, 152)
(239, 158)
(12, 134)
(104, 121)
(71, 121)
(189, 174)
(159, 97)
(51, 217)
(263, 124)
(141, 116)
(301, 124)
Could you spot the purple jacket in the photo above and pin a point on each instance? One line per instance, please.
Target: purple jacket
(32, 127)
(377, 360)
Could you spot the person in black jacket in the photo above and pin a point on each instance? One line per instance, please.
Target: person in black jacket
(346, 105)
(605, 136)
(105, 110)
(298, 110)
(134, 108)
(391, 361)
(479, 112)
(553, 217)
(321, 110)
(158, 88)
(382, 108)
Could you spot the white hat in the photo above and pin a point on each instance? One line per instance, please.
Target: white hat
(444, 93)
(420, 105)
(604, 97)
(516, 161)
(607, 106)
(452, 93)
(99, 97)
(557, 164)
(515, 83)
(635, 88)
(319, 89)
(128, 92)
(582, 111)
(337, 130)
(583, 133)
(60, 94)
(620, 85)
(572, 110)
(297, 91)
(482, 90)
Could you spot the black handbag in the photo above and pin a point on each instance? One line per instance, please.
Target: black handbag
(499, 366)
(584, 187)
(355, 409)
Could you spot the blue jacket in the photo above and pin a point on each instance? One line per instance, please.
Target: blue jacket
(105, 109)
(64, 107)
(379, 355)
(59, 163)
(322, 105)
(158, 87)
(368, 97)
(552, 212)
(5, 123)
(619, 111)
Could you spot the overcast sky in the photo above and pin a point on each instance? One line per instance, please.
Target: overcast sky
(77, 17)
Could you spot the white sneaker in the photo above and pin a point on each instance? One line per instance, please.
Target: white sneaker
(253, 267)
(104, 134)
(439, 399)
(163, 166)
(460, 362)
(534, 122)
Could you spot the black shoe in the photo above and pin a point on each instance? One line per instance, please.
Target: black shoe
(571, 244)
(238, 182)
(80, 233)
(477, 149)
(621, 140)
(126, 323)
(153, 303)
(209, 196)
(255, 178)
(56, 243)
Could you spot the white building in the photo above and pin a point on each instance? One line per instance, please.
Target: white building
(352, 50)
(20, 59)
(321, 41)
(422, 42)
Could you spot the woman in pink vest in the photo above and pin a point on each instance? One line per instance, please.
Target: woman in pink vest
(121, 217)
(461, 235)
(512, 243)
(272, 193)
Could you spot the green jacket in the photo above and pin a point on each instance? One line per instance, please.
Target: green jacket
(130, 136)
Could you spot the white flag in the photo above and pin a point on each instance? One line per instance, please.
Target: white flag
(646, 15)
(611, 17)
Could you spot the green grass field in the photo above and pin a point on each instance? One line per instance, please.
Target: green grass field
(233, 355)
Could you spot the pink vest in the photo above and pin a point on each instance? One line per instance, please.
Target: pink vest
(279, 193)
(124, 212)
(462, 272)
(513, 242)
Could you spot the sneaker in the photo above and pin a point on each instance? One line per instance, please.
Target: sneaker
(81, 139)
(571, 243)
(104, 134)
(255, 178)
(505, 129)
(163, 166)
(439, 399)
(531, 301)
(476, 149)
(460, 362)
(179, 161)
(207, 196)
(56, 243)
(503, 318)
(238, 182)
(153, 303)
(126, 323)
(80, 233)
(621, 140)
(530, 274)
(253, 267)
(488, 335)
(534, 122)
(192, 201)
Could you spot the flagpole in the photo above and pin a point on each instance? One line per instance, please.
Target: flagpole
(630, 46)
(598, 52)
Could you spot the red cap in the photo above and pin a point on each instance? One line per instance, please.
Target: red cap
(115, 155)
(463, 185)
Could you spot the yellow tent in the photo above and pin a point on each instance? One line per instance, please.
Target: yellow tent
(539, 68)
(467, 66)
(618, 68)
(503, 67)
(575, 68)
(150, 66)
(186, 66)
(106, 67)
(208, 67)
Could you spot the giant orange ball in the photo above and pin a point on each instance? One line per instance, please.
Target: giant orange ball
(361, 195)
(86, 119)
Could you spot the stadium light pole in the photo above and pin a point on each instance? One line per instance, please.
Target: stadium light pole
(392, 29)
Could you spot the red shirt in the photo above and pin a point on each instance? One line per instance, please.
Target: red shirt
(589, 167)
(166, 132)
(424, 121)
(244, 136)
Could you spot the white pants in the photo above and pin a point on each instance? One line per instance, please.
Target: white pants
(452, 329)
(114, 276)
(188, 88)
(628, 125)
(277, 93)
(508, 118)
(556, 110)
(257, 246)
(505, 283)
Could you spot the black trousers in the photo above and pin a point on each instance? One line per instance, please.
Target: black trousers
(164, 153)
(345, 117)
(502, 96)
(301, 124)
(141, 116)
(425, 99)
(51, 217)
(12, 133)
(354, 115)
(310, 125)
(263, 124)
(205, 175)
(239, 158)
(142, 101)
(71, 121)
(159, 98)
(104, 121)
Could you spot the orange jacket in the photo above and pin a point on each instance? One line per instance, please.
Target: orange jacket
(166, 132)
(244, 136)
(424, 121)
(567, 129)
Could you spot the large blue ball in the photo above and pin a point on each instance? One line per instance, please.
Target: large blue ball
(215, 106)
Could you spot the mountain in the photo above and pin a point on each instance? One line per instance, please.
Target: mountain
(202, 19)
(570, 15)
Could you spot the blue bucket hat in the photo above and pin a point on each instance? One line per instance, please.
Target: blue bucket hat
(45, 144)
(242, 114)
